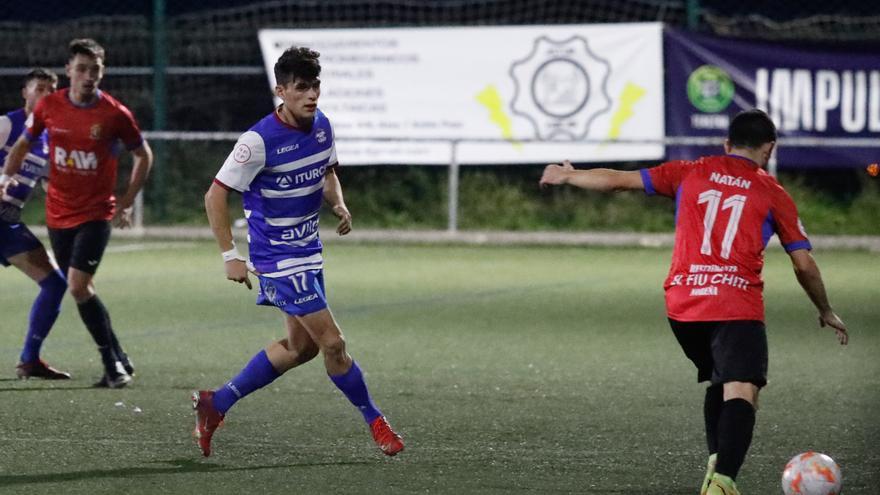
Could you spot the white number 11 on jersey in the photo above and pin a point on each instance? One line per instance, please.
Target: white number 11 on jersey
(736, 203)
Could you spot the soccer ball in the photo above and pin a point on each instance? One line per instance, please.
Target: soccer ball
(811, 473)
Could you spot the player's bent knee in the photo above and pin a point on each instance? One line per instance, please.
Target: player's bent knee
(307, 354)
(81, 293)
(333, 346)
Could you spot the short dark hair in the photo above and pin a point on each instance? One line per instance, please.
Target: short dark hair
(87, 47)
(297, 62)
(41, 74)
(751, 129)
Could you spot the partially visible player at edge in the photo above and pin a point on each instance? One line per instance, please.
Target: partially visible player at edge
(283, 166)
(85, 126)
(18, 246)
(727, 208)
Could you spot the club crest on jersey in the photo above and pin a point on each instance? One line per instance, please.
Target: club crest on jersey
(283, 181)
(321, 136)
(75, 159)
(95, 132)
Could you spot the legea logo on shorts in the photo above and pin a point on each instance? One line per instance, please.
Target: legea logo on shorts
(80, 160)
(310, 297)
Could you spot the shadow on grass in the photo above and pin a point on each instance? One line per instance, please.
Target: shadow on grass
(174, 466)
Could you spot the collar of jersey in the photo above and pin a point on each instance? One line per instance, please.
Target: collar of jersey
(751, 162)
(88, 105)
(292, 128)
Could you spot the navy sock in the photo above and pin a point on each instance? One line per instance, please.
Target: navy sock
(44, 312)
(352, 384)
(712, 414)
(97, 321)
(734, 436)
(258, 373)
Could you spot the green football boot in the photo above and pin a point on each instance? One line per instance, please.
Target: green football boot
(722, 485)
(710, 470)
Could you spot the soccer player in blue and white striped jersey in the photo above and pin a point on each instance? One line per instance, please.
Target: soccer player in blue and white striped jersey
(18, 246)
(284, 166)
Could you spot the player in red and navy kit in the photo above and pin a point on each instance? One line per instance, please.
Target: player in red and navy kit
(18, 246)
(727, 208)
(86, 127)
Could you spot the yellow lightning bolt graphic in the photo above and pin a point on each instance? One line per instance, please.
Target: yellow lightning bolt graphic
(630, 95)
(490, 99)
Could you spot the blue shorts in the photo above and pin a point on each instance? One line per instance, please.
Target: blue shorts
(16, 238)
(299, 294)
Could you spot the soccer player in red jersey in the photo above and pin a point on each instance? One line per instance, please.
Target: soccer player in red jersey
(85, 127)
(727, 208)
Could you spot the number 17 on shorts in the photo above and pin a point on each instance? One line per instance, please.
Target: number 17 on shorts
(298, 294)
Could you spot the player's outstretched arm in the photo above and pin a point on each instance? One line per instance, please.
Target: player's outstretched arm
(597, 179)
(333, 197)
(808, 275)
(142, 162)
(13, 163)
(217, 208)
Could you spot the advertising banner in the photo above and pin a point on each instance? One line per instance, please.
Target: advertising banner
(809, 94)
(523, 94)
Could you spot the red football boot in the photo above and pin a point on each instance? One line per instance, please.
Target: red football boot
(389, 442)
(39, 369)
(208, 419)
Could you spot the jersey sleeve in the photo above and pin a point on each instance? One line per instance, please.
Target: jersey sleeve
(36, 121)
(333, 161)
(5, 130)
(665, 178)
(245, 161)
(787, 225)
(128, 131)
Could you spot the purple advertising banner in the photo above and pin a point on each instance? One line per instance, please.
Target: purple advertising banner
(832, 95)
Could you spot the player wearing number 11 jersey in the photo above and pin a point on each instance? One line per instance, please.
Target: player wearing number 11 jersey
(727, 208)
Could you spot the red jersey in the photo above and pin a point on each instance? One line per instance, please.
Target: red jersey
(727, 208)
(84, 142)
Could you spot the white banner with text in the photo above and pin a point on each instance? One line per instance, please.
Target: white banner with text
(523, 94)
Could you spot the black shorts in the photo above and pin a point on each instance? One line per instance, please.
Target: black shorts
(80, 247)
(725, 351)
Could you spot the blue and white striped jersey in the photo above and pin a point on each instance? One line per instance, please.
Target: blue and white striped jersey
(33, 168)
(280, 172)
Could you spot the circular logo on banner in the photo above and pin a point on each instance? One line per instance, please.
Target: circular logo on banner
(710, 89)
(560, 87)
(242, 153)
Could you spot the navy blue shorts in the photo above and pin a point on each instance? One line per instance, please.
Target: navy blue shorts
(298, 294)
(16, 238)
(725, 351)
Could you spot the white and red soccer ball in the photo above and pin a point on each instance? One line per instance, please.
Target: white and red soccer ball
(811, 473)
